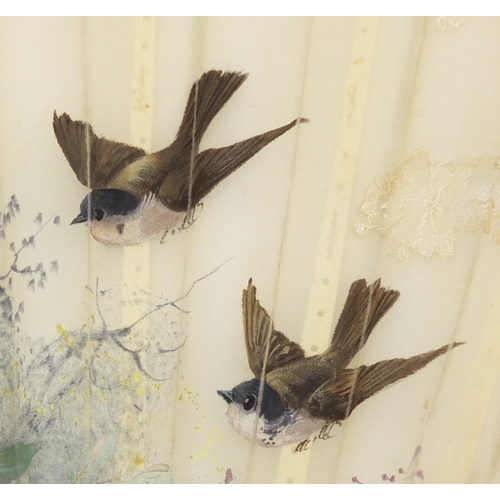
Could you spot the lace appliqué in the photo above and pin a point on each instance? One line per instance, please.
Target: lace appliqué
(444, 22)
(423, 206)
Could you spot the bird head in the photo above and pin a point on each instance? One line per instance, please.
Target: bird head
(243, 401)
(103, 203)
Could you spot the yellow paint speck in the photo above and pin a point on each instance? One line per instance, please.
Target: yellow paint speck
(141, 391)
(41, 410)
(137, 376)
(180, 397)
(60, 330)
(138, 460)
(65, 334)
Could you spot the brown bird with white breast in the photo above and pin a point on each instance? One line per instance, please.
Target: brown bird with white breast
(292, 395)
(135, 195)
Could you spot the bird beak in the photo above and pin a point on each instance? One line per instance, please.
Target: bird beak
(79, 218)
(228, 397)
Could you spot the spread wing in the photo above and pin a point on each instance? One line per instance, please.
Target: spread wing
(211, 167)
(259, 331)
(364, 307)
(336, 398)
(169, 169)
(107, 158)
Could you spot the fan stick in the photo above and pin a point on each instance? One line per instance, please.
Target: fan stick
(135, 277)
(318, 324)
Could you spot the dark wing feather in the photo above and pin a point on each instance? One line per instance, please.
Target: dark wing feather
(337, 397)
(363, 309)
(259, 330)
(107, 158)
(212, 166)
(167, 170)
(207, 97)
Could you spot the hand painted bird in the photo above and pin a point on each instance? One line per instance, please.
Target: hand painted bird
(292, 395)
(135, 195)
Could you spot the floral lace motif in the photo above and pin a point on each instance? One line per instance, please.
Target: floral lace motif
(444, 22)
(422, 206)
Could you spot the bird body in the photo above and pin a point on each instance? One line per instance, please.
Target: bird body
(144, 223)
(171, 182)
(292, 395)
(291, 426)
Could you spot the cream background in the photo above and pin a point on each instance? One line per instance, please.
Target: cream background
(424, 87)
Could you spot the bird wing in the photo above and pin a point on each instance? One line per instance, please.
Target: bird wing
(167, 170)
(363, 309)
(262, 339)
(107, 158)
(185, 187)
(207, 97)
(336, 398)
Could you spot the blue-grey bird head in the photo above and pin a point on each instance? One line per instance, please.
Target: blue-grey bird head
(246, 397)
(101, 203)
(275, 425)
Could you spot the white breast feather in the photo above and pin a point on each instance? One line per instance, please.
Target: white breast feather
(149, 219)
(293, 426)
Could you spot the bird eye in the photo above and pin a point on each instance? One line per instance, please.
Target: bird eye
(98, 214)
(249, 402)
